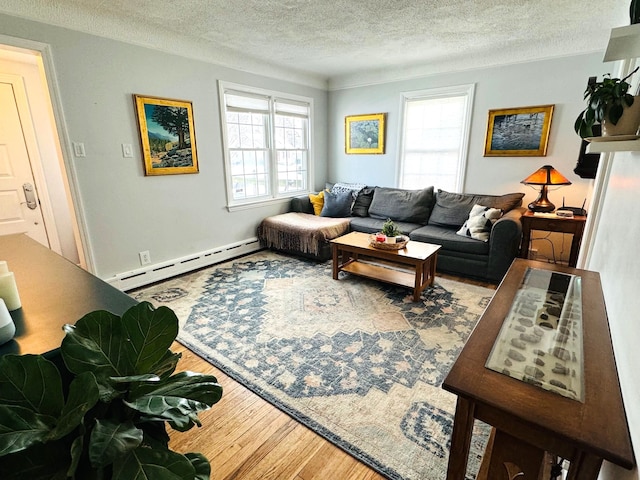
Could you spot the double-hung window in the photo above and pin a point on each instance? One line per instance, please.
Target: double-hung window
(266, 144)
(435, 135)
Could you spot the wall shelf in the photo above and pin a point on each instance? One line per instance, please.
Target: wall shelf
(614, 146)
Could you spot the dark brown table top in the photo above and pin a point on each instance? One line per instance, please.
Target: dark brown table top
(53, 292)
(598, 425)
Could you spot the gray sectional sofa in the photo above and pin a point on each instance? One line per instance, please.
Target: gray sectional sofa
(432, 217)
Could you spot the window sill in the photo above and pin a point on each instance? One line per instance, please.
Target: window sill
(263, 203)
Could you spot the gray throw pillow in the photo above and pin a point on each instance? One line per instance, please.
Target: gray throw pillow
(337, 205)
(363, 201)
(452, 209)
(400, 205)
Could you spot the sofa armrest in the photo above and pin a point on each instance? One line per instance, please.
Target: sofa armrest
(301, 204)
(504, 243)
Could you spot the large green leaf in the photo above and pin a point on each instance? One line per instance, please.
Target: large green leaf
(178, 399)
(21, 428)
(96, 343)
(146, 463)
(200, 464)
(32, 382)
(150, 332)
(112, 441)
(83, 395)
(40, 462)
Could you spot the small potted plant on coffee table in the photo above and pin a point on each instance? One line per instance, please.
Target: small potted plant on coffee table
(391, 231)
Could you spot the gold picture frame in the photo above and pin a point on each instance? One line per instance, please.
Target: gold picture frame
(518, 132)
(167, 135)
(365, 133)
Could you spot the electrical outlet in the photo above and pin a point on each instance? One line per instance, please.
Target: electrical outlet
(145, 257)
(533, 253)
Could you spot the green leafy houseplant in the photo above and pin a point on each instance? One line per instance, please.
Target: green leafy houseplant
(605, 99)
(390, 229)
(101, 414)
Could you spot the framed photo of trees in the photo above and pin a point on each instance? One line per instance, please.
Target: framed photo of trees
(167, 135)
(364, 133)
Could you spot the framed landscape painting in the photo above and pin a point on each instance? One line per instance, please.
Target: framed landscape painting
(167, 135)
(364, 133)
(518, 132)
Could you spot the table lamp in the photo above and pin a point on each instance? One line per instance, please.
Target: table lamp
(544, 176)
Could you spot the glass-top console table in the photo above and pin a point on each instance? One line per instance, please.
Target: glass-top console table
(540, 341)
(500, 379)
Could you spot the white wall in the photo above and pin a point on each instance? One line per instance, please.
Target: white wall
(171, 216)
(614, 255)
(560, 81)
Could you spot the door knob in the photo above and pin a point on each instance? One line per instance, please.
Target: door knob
(30, 196)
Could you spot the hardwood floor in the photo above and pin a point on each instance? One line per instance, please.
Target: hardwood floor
(245, 437)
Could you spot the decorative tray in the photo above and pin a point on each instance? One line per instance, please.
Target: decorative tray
(399, 245)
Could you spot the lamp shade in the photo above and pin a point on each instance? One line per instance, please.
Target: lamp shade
(546, 175)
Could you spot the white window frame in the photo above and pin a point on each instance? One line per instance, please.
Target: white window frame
(467, 90)
(273, 196)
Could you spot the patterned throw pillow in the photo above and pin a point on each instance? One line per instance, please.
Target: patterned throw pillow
(347, 187)
(480, 221)
(317, 200)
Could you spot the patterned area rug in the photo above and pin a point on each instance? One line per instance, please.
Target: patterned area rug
(355, 360)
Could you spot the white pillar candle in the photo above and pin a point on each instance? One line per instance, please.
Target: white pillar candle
(4, 268)
(9, 291)
(7, 327)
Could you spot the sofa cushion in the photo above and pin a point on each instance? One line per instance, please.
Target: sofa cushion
(363, 201)
(374, 225)
(347, 187)
(452, 209)
(450, 240)
(478, 225)
(337, 205)
(400, 205)
(317, 200)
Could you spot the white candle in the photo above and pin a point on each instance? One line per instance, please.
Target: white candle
(7, 327)
(4, 268)
(9, 291)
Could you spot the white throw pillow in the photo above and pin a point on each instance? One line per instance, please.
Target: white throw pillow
(479, 223)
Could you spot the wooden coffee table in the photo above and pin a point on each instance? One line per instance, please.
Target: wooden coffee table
(413, 266)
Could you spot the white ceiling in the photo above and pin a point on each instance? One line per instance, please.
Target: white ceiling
(342, 42)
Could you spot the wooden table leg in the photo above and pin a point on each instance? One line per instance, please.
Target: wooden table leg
(335, 261)
(584, 467)
(432, 268)
(461, 439)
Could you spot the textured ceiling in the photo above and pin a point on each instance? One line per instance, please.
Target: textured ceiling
(340, 41)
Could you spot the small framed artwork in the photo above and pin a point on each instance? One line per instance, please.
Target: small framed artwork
(365, 133)
(518, 132)
(167, 135)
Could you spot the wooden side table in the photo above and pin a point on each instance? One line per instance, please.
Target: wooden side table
(529, 420)
(548, 223)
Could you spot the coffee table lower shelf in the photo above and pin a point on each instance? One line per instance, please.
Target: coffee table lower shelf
(413, 266)
(383, 274)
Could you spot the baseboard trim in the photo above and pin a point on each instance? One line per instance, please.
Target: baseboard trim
(161, 271)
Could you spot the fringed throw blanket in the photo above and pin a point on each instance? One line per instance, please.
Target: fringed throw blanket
(300, 232)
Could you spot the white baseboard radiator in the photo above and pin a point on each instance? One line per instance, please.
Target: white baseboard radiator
(161, 271)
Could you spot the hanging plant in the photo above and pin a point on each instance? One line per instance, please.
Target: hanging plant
(605, 99)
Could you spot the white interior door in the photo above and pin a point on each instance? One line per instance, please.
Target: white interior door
(20, 210)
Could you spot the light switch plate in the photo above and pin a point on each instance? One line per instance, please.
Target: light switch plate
(127, 150)
(78, 149)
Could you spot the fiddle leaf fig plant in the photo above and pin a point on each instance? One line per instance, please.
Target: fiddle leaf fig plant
(605, 99)
(100, 413)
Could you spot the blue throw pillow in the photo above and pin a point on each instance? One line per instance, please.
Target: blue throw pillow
(337, 205)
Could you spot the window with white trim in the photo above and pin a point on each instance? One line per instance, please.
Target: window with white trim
(435, 134)
(266, 138)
